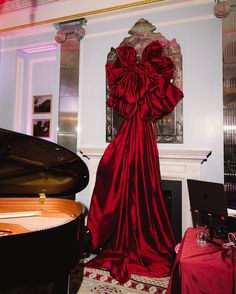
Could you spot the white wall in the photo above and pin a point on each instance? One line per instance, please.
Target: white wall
(199, 34)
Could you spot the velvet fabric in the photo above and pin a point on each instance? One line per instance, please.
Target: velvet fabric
(127, 202)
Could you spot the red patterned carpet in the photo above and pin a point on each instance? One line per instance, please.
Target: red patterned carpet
(100, 282)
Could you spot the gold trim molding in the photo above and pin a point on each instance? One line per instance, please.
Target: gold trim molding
(83, 14)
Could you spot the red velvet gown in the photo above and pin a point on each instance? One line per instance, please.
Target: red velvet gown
(127, 200)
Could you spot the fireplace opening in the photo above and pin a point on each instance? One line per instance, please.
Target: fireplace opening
(172, 192)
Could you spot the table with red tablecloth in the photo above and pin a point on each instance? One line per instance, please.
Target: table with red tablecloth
(209, 269)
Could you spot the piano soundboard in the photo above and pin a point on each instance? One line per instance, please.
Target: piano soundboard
(30, 221)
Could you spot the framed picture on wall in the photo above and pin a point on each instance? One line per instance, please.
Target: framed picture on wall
(42, 104)
(41, 127)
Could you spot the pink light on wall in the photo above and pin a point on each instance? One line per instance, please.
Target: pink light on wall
(38, 49)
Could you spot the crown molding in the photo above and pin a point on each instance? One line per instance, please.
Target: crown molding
(59, 11)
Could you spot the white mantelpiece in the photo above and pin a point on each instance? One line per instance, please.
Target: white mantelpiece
(178, 165)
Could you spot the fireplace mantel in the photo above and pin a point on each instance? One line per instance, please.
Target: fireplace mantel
(177, 165)
(179, 155)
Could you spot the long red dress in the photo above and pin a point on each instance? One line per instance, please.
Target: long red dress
(127, 200)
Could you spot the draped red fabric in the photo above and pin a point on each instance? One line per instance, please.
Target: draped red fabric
(127, 200)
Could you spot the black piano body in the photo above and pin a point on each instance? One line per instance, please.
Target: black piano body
(30, 170)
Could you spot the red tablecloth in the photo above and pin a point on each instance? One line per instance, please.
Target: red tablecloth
(208, 270)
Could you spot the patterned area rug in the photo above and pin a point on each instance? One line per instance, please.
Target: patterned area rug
(100, 282)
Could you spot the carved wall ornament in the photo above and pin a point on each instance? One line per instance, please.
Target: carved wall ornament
(7, 6)
(70, 29)
(222, 8)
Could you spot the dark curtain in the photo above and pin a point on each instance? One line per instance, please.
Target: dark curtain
(127, 203)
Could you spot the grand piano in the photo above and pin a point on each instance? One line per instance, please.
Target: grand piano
(41, 224)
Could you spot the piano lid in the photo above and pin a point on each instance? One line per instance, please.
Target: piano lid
(30, 165)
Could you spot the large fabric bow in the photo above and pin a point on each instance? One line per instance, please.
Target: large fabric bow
(144, 85)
